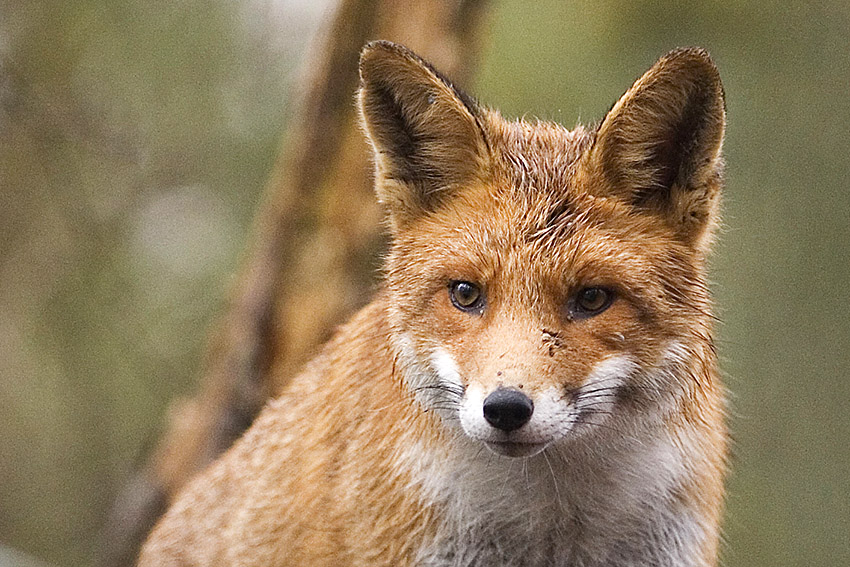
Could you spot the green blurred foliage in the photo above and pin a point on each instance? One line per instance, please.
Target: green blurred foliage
(135, 138)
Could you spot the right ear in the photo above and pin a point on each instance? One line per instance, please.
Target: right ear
(658, 148)
(426, 135)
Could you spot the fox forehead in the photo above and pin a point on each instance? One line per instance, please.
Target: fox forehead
(533, 209)
(532, 234)
(540, 156)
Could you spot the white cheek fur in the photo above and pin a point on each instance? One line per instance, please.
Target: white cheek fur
(446, 368)
(596, 398)
(418, 376)
(435, 381)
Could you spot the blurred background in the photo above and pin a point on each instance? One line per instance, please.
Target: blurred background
(135, 141)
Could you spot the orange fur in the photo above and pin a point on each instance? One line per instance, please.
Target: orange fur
(378, 453)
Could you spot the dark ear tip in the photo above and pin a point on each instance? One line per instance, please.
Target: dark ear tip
(696, 55)
(696, 64)
(375, 52)
(694, 59)
(692, 52)
(379, 46)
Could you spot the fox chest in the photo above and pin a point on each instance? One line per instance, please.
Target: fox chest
(552, 536)
(495, 511)
(499, 545)
(531, 513)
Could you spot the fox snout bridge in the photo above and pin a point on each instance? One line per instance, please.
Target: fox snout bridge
(508, 409)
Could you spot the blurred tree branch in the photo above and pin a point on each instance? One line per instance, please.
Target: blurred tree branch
(312, 257)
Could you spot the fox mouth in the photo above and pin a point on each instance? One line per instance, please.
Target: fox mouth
(514, 448)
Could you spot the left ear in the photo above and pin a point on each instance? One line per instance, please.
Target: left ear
(426, 135)
(658, 148)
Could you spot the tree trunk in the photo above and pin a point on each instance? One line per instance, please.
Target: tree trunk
(313, 255)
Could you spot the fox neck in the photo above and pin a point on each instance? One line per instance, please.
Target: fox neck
(571, 505)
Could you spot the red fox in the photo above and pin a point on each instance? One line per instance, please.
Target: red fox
(535, 383)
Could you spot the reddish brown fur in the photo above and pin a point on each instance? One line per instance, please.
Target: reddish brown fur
(532, 213)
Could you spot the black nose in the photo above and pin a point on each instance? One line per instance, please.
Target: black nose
(507, 410)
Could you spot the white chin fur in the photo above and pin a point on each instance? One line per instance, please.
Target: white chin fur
(508, 449)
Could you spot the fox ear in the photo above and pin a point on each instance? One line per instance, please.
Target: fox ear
(658, 148)
(426, 135)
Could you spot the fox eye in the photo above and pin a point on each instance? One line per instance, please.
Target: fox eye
(466, 296)
(591, 301)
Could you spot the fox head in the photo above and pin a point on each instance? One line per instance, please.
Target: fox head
(545, 284)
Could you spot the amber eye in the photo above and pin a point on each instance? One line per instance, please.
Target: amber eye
(466, 296)
(591, 301)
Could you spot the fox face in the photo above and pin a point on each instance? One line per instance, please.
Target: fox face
(547, 284)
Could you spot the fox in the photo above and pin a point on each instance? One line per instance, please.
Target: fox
(535, 382)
